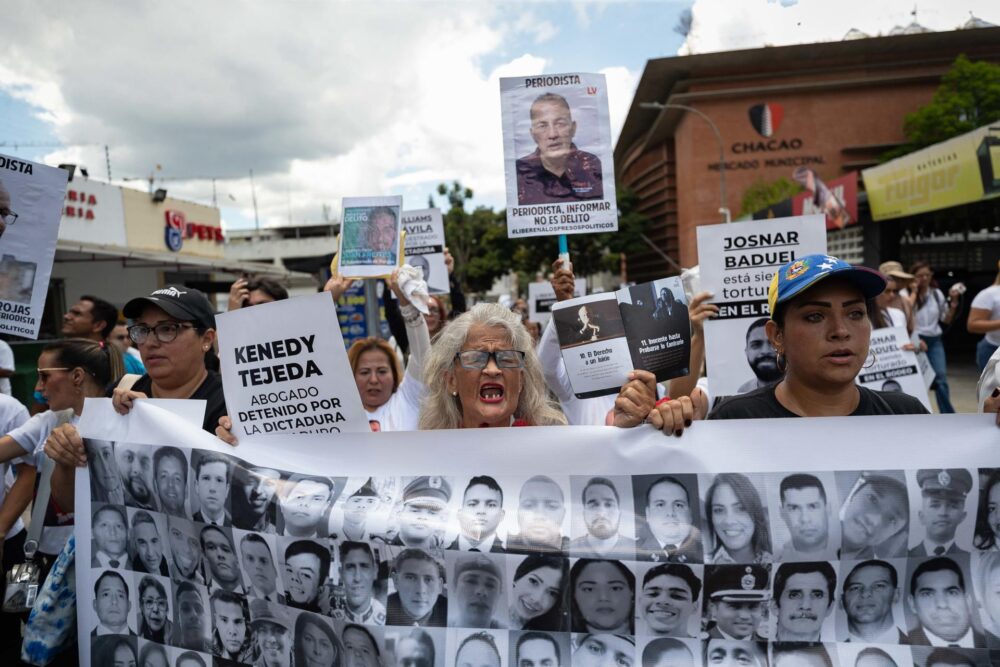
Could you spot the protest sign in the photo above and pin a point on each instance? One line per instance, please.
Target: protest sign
(737, 261)
(305, 519)
(370, 229)
(891, 367)
(284, 368)
(31, 200)
(604, 336)
(425, 247)
(558, 155)
(541, 298)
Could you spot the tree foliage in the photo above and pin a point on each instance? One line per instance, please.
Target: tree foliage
(968, 97)
(762, 194)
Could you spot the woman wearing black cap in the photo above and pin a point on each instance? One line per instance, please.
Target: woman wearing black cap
(820, 327)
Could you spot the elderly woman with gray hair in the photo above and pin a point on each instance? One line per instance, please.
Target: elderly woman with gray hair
(482, 371)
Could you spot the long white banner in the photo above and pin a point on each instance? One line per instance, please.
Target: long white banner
(589, 546)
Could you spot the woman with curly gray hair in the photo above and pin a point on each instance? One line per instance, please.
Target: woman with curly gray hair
(483, 371)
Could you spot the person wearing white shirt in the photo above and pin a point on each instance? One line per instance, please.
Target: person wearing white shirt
(933, 310)
(112, 605)
(6, 367)
(984, 318)
(110, 538)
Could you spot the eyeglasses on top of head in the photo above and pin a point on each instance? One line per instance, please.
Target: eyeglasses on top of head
(477, 360)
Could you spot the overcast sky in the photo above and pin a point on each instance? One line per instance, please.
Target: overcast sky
(324, 100)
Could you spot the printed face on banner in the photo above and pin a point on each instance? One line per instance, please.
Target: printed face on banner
(425, 244)
(557, 153)
(607, 568)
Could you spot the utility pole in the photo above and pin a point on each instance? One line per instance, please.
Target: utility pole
(253, 194)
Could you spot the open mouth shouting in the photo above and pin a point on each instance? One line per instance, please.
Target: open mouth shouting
(491, 392)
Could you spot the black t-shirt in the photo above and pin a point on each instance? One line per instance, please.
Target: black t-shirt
(210, 391)
(762, 403)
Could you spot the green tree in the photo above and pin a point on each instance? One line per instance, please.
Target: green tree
(968, 97)
(477, 240)
(762, 194)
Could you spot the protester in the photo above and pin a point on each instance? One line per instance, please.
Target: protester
(90, 317)
(932, 310)
(984, 318)
(437, 316)
(6, 367)
(538, 597)
(119, 338)
(988, 388)
(893, 271)
(246, 291)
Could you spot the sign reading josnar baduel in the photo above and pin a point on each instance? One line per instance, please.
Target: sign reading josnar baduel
(737, 263)
(31, 201)
(283, 369)
(558, 155)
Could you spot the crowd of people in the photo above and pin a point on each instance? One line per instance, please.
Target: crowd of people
(467, 367)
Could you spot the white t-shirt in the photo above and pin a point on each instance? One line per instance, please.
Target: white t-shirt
(31, 436)
(7, 364)
(990, 379)
(989, 299)
(928, 317)
(12, 416)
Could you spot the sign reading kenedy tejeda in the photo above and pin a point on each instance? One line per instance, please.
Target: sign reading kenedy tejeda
(285, 370)
(737, 263)
(558, 155)
(31, 200)
(425, 246)
(370, 229)
(424, 543)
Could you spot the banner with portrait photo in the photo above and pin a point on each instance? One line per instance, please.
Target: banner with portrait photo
(370, 242)
(425, 247)
(587, 540)
(283, 369)
(603, 337)
(889, 367)
(31, 201)
(541, 299)
(558, 155)
(737, 261)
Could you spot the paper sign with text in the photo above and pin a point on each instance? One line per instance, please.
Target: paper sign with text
(425, 247)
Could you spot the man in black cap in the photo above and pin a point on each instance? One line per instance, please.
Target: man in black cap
(423, 517)
(183, 318)
(942, 509)
(735, 597)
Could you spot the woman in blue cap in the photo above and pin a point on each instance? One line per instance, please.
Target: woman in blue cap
(820, 328)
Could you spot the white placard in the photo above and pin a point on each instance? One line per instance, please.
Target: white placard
(737, 261)
(31, 200)
(893, 368)
(558, 155)
(285, 370)
(541, 299)
(425, 247)
(369, 241)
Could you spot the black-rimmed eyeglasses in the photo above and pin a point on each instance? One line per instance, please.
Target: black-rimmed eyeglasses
(476, 360)
(165, 332)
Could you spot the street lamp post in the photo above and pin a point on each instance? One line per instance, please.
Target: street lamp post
(723, 208)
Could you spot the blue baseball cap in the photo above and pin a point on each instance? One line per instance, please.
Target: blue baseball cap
(799, 275)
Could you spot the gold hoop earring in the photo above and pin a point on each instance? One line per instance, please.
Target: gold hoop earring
(873, 358)
(781, 362)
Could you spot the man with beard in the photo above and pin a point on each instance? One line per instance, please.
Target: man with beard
(419, 581)
(357, 509)
(478, 517)
(423, 517)
(147, 546)
(191, 626)
(110, 537)
(477, 584)
(668, 597)
(154, 608)
(803, 598)
(258, 564)
(942, 509)
(135, 465)
(185, 551)
(415, 649)
(211, 484)
(735, 597)
(170, 480)
(870, 591)
(541, 508)
(804, 510)
(272, 633)
(253, 506)
(761, 357)
(307, 567)
(943, 608)
(669, 533)
(217, 547)
(602, 515)
(305, 506)
(358, 571)
(230, 634)
(112, 605)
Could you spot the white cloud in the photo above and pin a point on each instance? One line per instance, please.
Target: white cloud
(724, 25)
(621, 89)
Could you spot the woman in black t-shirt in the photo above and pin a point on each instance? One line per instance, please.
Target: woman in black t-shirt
(820, 327)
